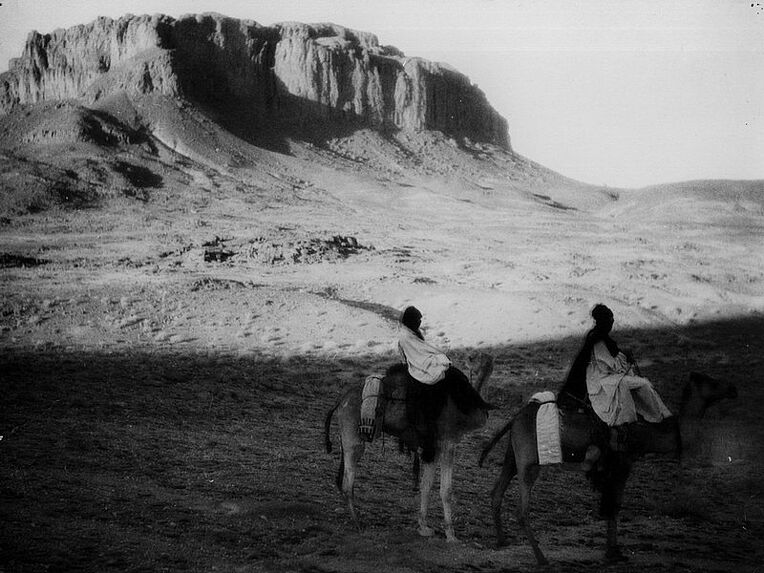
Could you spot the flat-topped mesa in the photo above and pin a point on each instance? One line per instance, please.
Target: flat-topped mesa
(288, 72)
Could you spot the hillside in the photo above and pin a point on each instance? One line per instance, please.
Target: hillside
(492, 245)
(149, 184)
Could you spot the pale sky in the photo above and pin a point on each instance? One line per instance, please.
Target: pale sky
(625, 93)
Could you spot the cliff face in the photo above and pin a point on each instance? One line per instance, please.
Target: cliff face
(287, 72)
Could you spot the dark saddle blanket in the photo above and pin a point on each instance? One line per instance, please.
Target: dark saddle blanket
(421, 403)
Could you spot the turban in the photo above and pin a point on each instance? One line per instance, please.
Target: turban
(601, 313)
(410, 318)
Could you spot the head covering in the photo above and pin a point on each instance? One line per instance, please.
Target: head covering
(603, 322)
(575, 383)
(601, 313)
(410, 317)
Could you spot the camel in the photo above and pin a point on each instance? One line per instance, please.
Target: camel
(452, 424)
(582, 433)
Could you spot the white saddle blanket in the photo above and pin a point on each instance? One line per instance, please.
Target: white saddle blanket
(547, 429)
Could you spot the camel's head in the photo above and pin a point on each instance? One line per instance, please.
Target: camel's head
(702, 391)
(480, 367)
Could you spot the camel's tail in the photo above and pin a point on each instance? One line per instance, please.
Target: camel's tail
(327, 427)
(495, 440)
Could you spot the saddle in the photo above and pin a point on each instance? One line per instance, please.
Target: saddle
(629, 437)
(403, 407)
(372, 407)
(569, 402)
(575, 419)
(379, 393)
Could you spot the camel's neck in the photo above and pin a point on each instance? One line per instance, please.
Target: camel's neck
(482, 376)
(693, 409)
(455, 424)
(691, 414)
(693, 437)
(473, 413)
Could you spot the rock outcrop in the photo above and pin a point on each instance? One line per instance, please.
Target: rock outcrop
(289, 72)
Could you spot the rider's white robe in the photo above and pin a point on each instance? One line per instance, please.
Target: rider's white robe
(425, 362)
(616, 394)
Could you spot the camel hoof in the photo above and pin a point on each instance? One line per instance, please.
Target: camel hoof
(451, 538)
(426, 531)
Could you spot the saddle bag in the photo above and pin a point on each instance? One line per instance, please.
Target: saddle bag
(371, 406)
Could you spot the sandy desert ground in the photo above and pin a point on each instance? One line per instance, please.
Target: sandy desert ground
(177, 319)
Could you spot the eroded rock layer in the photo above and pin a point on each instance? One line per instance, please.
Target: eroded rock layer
(290, 72)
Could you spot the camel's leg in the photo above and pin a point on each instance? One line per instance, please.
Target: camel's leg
(351, 455)
(526, 478)
(415, 470)
(613, 552)
(425, 485)
(508, 471)
(610, 504)
(446, 488)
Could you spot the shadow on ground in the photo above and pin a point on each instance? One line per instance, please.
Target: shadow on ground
(153, 460)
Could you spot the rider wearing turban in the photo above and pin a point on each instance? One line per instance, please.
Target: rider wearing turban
(607, 376)
(432, 379)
